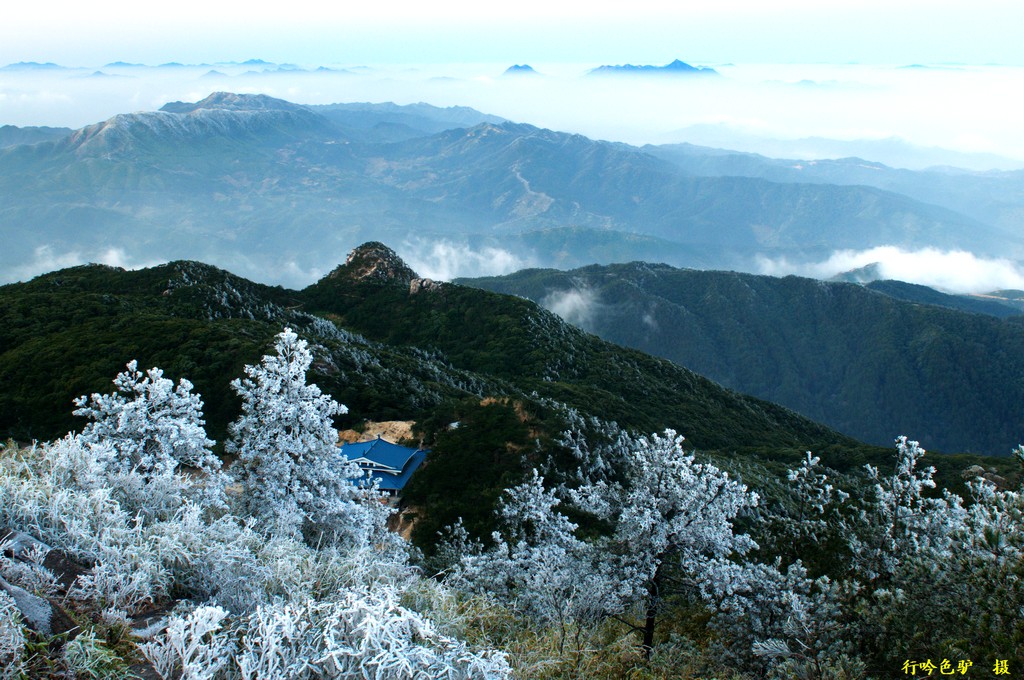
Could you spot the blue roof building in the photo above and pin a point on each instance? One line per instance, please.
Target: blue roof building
(390, 465)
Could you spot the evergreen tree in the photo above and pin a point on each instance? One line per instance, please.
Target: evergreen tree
(673, 522)
(153, 425)
(139, 438)
(292, 476)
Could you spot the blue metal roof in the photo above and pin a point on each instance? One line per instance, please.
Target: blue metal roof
(390, 464)
(390, 482)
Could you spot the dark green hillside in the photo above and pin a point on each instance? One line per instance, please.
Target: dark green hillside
(512, 339)
(976, 304)
(68, 333)
(866, 363)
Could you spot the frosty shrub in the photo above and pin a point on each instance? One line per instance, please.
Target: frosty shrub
(370, 633)
(28, 571)
(191, 648)
(537, 564)
(87, 657)
(88, 524)
(364, 634)
(278, 642)
(12, 638)
(132, 562)
(293, 479)
(139, 438)
(219, 559)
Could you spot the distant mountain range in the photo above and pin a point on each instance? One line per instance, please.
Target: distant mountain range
(993, 197)
(677, 67)
(276, 191)
(13, 136)
(872, 362)
(892, 151)
(32, 66)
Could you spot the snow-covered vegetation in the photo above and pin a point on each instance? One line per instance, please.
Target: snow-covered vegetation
(287, 573)
(130, 545)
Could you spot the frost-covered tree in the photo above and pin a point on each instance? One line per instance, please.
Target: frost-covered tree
(897, 521)
(538, 565)
(807, 522)
(292, 476)
(673, 522)
(939, 575)
(152, 424)
(138, 439)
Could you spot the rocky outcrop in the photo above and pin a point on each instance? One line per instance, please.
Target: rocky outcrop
(992, 476)
(417, 285)
(374, 261)
(43, 615)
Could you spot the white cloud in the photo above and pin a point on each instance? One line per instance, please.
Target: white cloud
(955, 271)
(46, 259)
(447, 260)
(577, 306)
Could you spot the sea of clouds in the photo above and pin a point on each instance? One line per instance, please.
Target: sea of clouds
(965, 109)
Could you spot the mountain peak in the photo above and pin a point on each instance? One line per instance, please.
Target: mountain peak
(230, 101)
(242, 118)
(865, 274)
(374, 261)
(520, 70)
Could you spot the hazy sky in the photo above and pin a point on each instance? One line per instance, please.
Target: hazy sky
(409, 31)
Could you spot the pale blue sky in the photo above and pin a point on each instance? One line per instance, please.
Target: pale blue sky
(642, 31)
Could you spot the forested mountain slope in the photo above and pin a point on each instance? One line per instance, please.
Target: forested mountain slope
(866, 363)
(66, 333)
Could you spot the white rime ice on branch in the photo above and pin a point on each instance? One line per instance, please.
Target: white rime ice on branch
(293, 478)
(361, 634)
(12, 638)
(539, 566)
(139, 438)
